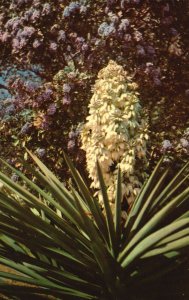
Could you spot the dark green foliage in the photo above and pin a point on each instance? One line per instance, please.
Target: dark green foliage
(60, 242)
(148, 38)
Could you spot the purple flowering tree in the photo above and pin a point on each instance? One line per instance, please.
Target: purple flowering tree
(66, 43)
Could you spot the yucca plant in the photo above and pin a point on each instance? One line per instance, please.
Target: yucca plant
(60, 242)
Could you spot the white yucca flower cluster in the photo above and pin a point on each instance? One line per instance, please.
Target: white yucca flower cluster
(116, 132)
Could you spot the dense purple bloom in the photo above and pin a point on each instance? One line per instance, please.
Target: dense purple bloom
(41, 152)
(150, 50)
(28, 14)
(31, 86)
(37, 68)
(14, 177)
(83, 9)
(22, 37)
(24, 130)
(74, 6)
(71, 8)
(36, 43)
(38, 101)
(28, 31)
(9, 110)
(66, 88)
(53, 46)
(124, 24)
(140, 50)
(23, 43)
(71, 145)
(72, 134)
(85, 47)
(66, 12)
(66, 100)
(46, 9)
(166, 145)
(127, 37)
(14, 22)
(137, 35)
(61, 36)
(35, 15)
(184, 143)
(18, 44)
(106, 29)
(51, 109)
(173, 31)
(79, 40)
(47, 93)
(5, 36)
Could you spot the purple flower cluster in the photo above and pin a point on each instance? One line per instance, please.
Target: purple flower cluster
(66, 100)
(36, 43)
(61, 36)
(14, 177)
(27, 32)
(35, 15)
(72, 8)
(22, 37)
(58, 36)
(166, 145)
(73, 135)
(5, 37)
(123, 26)
(13, 24)
(154, 73)
(184, 142)
(25, 128)
(10, 109)
(41, 152)
(30, 86)
(47, 93)
(53, 46)
(51, 109)
(106, 29)
(66, 88)
(46, 9)
(140, 51)
(71, 145)
(45, 123)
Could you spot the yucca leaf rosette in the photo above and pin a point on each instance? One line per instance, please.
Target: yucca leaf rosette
(57, 242)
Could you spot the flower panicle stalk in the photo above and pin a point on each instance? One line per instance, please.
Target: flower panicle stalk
(116, 133)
